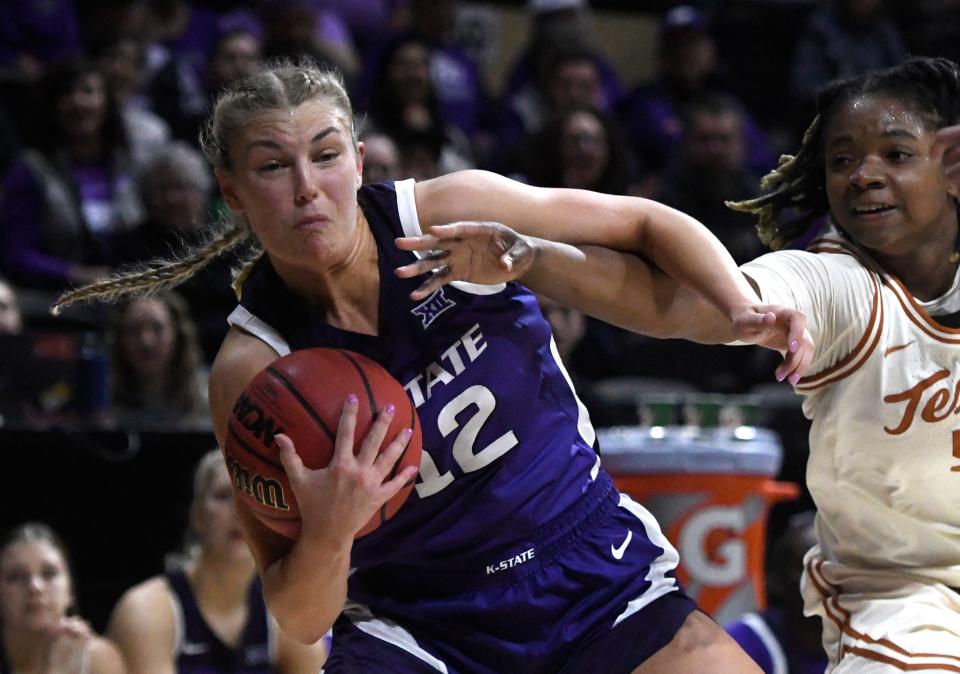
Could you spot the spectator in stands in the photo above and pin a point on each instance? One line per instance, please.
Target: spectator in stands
(11, 320)
(206, 612)
(780, 639)
(559, 26)
(157, 377)
(568, 79)
(404, 106)
(177, 187)
(34, 35)
(455, 75)
(841, 39)
(710, 169)
(181, 93)
(688, 66)
(582, 149)
(381, 161)
(39, 631)
(178, 30)
(71, 192)
(122, 60)
(296, 28)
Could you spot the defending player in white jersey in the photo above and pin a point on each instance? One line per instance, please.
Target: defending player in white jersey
(881, 291)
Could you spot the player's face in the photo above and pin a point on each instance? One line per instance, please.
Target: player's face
(295, 179)
(35, 587)
(885, 188)
(216, 519)
(148, 337)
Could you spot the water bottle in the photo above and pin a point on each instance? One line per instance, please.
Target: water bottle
(93, 380)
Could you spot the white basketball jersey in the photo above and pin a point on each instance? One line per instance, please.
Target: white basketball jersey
(884, 397)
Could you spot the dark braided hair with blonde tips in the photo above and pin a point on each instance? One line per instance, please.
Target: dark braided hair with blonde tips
(929, 86)
(281, 85)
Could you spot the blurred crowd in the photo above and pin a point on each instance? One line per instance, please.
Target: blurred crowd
(102, 103)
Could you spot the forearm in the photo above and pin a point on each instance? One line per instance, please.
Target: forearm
(675, 242)
(693, 257)
(624, 290)
(306, 589)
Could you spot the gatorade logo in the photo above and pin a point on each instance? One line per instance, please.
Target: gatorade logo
(726, 562)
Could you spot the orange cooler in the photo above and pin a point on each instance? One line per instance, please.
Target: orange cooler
(710, 490)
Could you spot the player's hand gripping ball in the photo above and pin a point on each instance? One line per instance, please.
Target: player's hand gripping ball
(301, 395)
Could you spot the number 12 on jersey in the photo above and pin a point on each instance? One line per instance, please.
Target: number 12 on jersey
(464, 453)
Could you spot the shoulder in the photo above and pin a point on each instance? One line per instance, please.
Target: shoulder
(832, 270)
(241, 356)
(144, 615)
(105, 657)
(150, 599)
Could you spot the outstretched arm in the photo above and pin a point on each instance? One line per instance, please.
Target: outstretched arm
(638, 264)
(672, 241)
(604, 284)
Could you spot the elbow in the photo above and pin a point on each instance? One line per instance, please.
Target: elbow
(303, 630)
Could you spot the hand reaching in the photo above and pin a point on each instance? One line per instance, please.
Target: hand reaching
(782, 329)
(69, 647)
(479, 252)
(947, 147)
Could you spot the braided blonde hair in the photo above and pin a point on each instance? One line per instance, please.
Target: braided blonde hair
(281, 85)
(930, 86)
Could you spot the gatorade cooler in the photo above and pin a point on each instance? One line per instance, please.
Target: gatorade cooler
(710, 490)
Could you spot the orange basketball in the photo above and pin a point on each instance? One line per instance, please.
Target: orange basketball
(301, 395)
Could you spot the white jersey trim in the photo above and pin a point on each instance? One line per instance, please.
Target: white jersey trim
(410, 222)
(660, 582)
(243, 319)
(756, 623)
(389, 631)
(584, 425)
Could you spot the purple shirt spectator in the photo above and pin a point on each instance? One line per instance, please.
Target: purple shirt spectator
(47, 31)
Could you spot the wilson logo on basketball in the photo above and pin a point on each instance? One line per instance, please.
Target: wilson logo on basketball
(252, 417)
(264, 490)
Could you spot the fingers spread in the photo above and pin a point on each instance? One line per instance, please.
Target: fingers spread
(414, 243)
(370, 446)
(388, 458)
(343, 445)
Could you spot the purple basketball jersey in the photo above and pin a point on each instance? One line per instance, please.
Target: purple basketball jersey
(509, 481)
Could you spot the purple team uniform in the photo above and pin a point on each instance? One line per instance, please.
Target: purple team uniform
(767, 639)
(514, 552)
(199, 651)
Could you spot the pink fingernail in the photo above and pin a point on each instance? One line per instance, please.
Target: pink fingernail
(352, 399)
(794, 345)
(407, 433)
(779, 376)
(794, 378)
(390, 409)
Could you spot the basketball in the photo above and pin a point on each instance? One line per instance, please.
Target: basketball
(301, 395)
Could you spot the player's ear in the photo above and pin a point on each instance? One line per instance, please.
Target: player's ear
(228, 190)
(361, 152)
